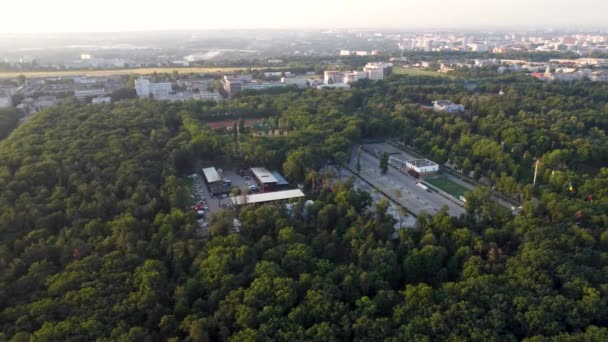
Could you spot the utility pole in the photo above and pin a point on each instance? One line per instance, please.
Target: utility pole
(535, 172)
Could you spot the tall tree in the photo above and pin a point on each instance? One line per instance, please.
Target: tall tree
(384, 162)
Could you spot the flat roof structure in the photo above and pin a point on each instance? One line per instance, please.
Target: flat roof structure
(263, 175)
(280, 179)
(267, 197)
(211, 175)
(444, 102)
(421, 162)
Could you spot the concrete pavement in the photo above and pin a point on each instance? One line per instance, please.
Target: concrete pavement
(402, 188)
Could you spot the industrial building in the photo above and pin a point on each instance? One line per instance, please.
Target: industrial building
(265, 179)
(284, 195)
(215, 183)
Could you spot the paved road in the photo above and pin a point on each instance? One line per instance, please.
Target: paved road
(414, 198)
(401, 221)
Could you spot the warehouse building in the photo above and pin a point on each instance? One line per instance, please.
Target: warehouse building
(215, 184)
(284, 195)
(265, 179)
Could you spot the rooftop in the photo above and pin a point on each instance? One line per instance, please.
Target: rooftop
(267, 197)
(280, 179)
(421, 162)
(263, 175)
(443, 103)
(211, 175)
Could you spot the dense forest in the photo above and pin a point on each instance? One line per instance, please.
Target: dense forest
(97, 243)
(9, 119)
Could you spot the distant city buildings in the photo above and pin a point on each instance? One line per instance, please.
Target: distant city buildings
(5, 100)
(207, 96)
(378, 70)
(86, 93)
(101, 99)
(31, 105)
(234, 84)
(373, 71)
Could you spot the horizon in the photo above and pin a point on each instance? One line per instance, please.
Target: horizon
(67, 16)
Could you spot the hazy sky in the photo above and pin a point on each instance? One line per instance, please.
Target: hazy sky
(137, 15)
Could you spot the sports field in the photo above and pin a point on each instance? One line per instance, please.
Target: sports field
(448, 186)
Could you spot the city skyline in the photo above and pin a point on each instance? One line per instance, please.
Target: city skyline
(117, 16)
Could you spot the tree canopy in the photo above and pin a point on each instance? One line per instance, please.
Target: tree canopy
(97, 242)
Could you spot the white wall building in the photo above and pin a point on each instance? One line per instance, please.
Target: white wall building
(377, 71)
(159, 90)
(103, 99)
(330, 77)
(6, 98)
(447, 106)
(144, 88)
(82, 94)
(375, 74)
(423, 167)
(300, 82)
(208, 96)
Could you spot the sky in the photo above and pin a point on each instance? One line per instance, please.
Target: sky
(144, 15)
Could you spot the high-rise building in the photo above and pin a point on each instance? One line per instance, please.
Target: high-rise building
(142, 87)
(330, 77)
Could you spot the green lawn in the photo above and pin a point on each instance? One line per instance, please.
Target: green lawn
(448, 186)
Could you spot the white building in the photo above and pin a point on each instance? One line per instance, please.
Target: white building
(82, 94)
(334, 86)
(262, 85)
(377, 71)
(273, 74)
(144, 88)
(300, 82)
(479, 47)
(5, 100)
(102, 99)
(208, 96)
(423, 167)
(159, 90)
(447, 106)
(354, 76)
(375, 74)
(334, 77)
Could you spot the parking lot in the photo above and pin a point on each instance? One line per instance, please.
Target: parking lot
(401, 187)
(401, 220)
(210, 204)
